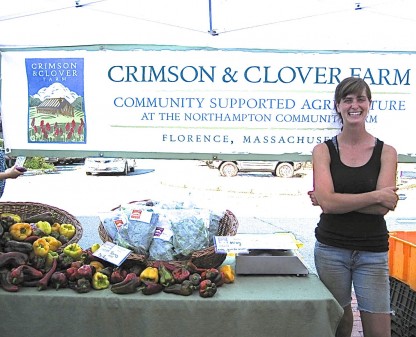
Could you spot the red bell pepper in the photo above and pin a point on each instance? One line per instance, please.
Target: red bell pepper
(210, 274)
(180, 274)
(207, 288)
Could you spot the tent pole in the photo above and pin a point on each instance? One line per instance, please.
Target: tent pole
(211, 31)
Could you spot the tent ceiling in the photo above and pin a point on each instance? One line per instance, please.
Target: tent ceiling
(387, 25)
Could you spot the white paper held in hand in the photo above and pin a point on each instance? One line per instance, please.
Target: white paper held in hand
(20, 161)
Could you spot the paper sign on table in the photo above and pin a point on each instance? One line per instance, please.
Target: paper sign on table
(281, 241)
(242, 243)
(112, 253)
(228, 244)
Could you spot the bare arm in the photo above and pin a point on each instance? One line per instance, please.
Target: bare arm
(387, 177)
(380, 201)
(10, 173)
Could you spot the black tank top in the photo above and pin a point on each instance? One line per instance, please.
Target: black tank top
(354, 230)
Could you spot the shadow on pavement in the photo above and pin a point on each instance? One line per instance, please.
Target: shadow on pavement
(135, 173)
(140, 171)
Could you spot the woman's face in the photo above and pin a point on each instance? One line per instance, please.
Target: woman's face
(354, 108)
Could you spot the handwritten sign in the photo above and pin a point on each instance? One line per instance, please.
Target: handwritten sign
(243, 243)
(228, 244)
(112, 253)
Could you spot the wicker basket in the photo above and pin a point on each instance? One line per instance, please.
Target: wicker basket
(28, 209)
(204, 258)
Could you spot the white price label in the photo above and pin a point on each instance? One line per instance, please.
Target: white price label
(228, 244)
(112, 253)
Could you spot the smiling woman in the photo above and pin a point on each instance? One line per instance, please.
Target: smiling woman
(354, 179)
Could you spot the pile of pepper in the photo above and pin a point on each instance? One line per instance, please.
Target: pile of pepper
(31, 255)
(43, 266)
(30, 250)
(185, 279)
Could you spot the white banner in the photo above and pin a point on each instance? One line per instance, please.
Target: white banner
(196, 101)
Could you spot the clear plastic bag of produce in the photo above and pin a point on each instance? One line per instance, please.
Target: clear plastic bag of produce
(161, 247)
(165, 231)
(137, 233)
(112, 221)
(214, 223)
(190, 231)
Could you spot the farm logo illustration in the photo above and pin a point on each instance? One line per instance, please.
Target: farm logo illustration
(56, 100)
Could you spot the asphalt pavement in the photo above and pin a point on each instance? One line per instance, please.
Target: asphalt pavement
(261, 202)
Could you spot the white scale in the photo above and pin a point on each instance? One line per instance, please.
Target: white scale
(263, 254)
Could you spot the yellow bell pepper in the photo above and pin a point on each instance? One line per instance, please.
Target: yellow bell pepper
(68, 230)
(228, 272)
(97, 265)
(54, 244)
(100, 281)
(55, 227)
(20, 231)
(44, 226)
(150, 274)
(95, 247)
(15, 217)
(41, 247)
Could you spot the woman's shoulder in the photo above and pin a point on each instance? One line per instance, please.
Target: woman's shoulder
(389, 149)
(320, 149)
(325, 144)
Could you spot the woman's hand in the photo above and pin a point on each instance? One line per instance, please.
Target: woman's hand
(389, 197)
(313, 198)
(12, 172)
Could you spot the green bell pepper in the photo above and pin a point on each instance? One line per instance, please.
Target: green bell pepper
(73, 250)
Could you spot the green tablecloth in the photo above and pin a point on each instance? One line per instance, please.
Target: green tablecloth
(284, 306)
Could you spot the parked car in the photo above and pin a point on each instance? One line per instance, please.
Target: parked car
(109, 165)
(284, 169)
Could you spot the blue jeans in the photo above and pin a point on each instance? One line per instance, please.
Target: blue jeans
(340, 269)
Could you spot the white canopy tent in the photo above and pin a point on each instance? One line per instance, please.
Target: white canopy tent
(376, 25)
